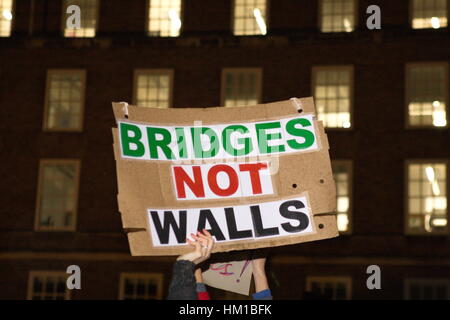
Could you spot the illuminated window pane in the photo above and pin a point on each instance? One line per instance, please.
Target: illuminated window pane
(153, 88)
(335, 288)
(337, 15)
(341, 174)
(141, 286)
(332, 88)
(249, 17)
(429, 14)
(6, 17)
(48, 286)
(65, 99)
(58, 193)
(427, 197)
(88, 17)
(427, 289)
(241, 87)
(164, 18)
(426, 94)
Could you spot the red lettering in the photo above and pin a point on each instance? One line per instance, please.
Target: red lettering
(182, 178)
(232, 177)
(253, 169)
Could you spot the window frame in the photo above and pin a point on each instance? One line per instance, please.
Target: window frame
(42, 163)
(408, 231)
(13, 21)
(259, 73)
(50, 72)
(36, 273)
(351, 69)
(409, 281)
(267, 21)
(349, 165)
(138, 72)
(147, 21)
(411, 17)
(356, 18)
(158, 276)
(64, 19)
(323, 279)
(407, 95)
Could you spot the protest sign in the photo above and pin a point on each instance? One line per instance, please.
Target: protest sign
(234, 276)
(254, 176)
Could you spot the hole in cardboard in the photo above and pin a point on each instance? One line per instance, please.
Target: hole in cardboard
(300, 110)
(321, 181)
(321, 226)
(126, 116)
(294, 185)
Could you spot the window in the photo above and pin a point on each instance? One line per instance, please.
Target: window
(333, 88)
(153, 88)
(64, 100)
(48, 285)
(241, 87)
(342, 173)
(249, 17)
(330, 288)
(426, 94)
(427, 200)
(427, 289)
(88, 16)
(337, 15)
(429, 14)
(141, 286)
(57, 195)
(6, 17)
(164, 18)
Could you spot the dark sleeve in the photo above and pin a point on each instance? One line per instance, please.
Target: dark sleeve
(183, 286)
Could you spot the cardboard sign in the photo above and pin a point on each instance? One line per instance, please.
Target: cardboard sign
(234, 276)
(255, 176)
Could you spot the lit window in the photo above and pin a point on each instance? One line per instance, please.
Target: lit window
(88, 17)
(241, 87)
(329, 288)
(141, 286)
(48, 285)
(6, 17)
(342, 178)
(332, 94)
(64, 100)
(429, 14)
(153, 88)
(427, 86)
(427, 289)
(249, 17)
(57, 195)
(337, 15)
(164, 18)
(427, 197)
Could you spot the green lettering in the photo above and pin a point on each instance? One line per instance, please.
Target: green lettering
(127, 141)
(197, 142)
(245, 142)
(153, 143)
(305, 134)
(181, 141)
(264, 137)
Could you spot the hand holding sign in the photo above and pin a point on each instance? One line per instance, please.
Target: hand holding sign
(203, 243)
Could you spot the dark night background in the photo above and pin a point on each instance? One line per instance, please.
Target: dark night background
(376, 150)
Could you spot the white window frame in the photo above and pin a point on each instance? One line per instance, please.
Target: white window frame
(50, 72)
(411, 17)
(159, 277)
(267, 22)
(423, 281)
(408, 68)
(258, 72)
(42, 163)
(147, 24)
(351, 70)
(349, 165)
(355, 17)
(334, 279)
(32, 274)
(138, 72)
(411, 232)
(13, 11)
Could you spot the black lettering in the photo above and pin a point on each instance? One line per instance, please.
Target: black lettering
(206, 215)
(258, 224)
(170, 223)
(301, 217)
(232, 228)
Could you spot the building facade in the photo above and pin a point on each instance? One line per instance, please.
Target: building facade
(383, 95)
